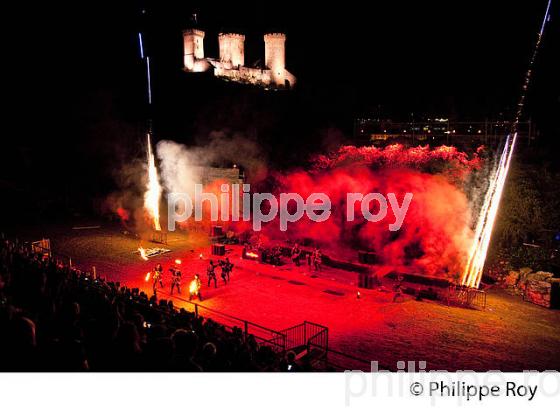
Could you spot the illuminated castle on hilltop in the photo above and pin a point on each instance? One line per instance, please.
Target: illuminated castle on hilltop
(231, 63)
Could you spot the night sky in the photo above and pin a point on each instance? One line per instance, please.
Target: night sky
(76, 90)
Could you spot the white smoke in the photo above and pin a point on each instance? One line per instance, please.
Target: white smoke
(181, 166)
(177, 167)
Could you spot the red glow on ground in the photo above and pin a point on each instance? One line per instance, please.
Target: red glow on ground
(372, 327)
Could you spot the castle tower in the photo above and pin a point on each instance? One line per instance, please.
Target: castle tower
(232, 48)
(193, 47)
(274, 56)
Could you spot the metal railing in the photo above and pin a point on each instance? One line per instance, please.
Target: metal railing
(263, 335)
(317, 336)
(468, 297)
(294, 336)
(37, 247)
(308, 335)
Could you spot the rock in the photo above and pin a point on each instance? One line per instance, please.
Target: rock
(530, 276)
(525, 271)
(540, 275)
(512, 278)
(538, 292)
(524, 275)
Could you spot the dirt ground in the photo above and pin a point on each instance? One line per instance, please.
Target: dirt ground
(509, 335)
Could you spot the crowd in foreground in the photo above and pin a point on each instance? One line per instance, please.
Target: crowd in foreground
(56, 318)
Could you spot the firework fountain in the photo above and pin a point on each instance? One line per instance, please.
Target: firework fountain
(472, 273)
(153, 192)
(153, 189)
(152, 197)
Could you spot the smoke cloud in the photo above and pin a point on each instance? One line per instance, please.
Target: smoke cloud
(182, 166)
(433, 239)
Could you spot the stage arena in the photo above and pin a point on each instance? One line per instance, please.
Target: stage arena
(508, 335)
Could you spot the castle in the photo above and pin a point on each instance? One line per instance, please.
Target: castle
(231, 63)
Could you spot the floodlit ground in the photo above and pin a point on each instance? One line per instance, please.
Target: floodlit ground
(510, 335)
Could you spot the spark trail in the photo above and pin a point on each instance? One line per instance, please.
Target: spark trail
(472, 273)
(153, 192)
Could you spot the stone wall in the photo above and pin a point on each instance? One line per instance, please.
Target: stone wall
(232, 50)
(540, 288)
(231, 63)
(275, 56)
(193, 48)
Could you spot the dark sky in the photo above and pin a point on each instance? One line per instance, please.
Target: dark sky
(75, 84)
(467, 57)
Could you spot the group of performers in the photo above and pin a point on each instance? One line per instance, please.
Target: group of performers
(314, 258)
(272, 255)
(157, 277)
(226, 267)
(194, 288)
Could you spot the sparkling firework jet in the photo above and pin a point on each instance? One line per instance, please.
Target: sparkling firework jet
(472, 273)
(477, 254)
(153, 192)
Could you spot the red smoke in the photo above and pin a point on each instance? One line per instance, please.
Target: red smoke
(435, 235)
(455, 164)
